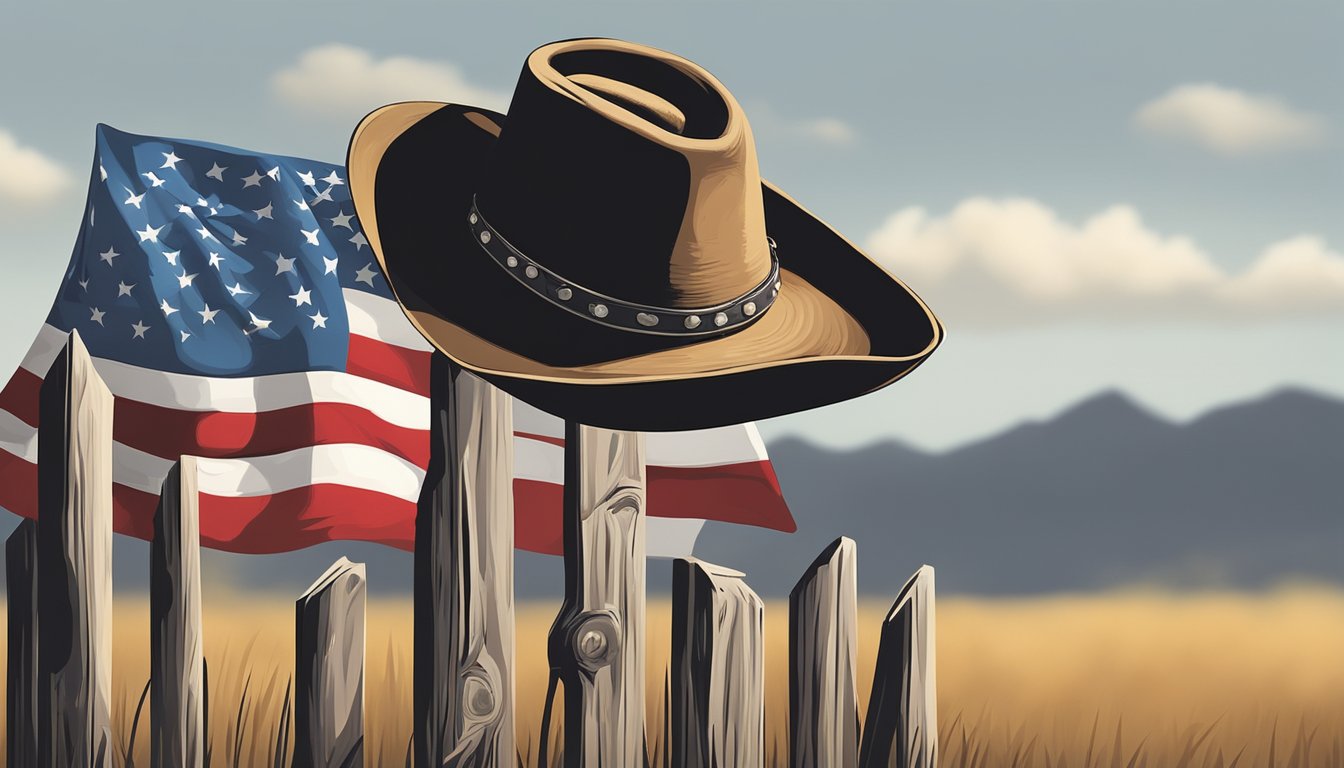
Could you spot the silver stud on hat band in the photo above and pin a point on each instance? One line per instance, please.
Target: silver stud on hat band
(625, 315)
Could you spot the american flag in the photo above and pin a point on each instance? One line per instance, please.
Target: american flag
(233, 306)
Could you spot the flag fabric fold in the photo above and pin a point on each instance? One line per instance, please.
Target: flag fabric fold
(234, 308)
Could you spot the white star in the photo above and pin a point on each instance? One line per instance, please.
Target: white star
(150, 233)
(206, 234)
(307, 178)
(124, 289)
(171, 256)
(366, 274)
(323, 195)
(134, 199)
(302, 297)
(319, 321)
(108, 255)
(167, 309)
(97, 316)
(274, 173)
(237, 288)
(185, 335)
(154, 181)
(311, 237)
(260, 324)
(92, 211)
(359, 240)
(217, 171)
(238, 238)
(170, 160)
(302, 205)
(330, 265)
(282, 264)
(342, 220)
(84, 284)
(215, 259)
(201, 201)
(139, 329)
(332, 179)
(208, 315)
(102, 172)
(213, 211)
(184, 280)
(252, 181)
(187, 210)
(264, 213)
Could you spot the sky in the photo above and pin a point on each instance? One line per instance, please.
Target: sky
(1091, 195)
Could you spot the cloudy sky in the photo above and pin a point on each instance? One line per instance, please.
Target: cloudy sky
(1091, 195)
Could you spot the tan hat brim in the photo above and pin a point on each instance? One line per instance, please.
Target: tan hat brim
(806, 325)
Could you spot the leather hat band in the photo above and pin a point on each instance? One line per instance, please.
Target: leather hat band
(625, 315)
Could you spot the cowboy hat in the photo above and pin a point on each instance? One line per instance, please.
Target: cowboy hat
(609, 253)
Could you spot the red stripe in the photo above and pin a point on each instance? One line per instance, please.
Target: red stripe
(389, 364)
(169, 432)
(747, 493)
(560, 441)
(306, 516)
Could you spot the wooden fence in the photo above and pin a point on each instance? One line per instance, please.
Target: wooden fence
(58, 575)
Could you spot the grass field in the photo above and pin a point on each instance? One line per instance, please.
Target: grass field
(1115, 680)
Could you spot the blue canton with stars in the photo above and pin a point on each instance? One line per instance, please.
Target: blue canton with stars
(205, 259)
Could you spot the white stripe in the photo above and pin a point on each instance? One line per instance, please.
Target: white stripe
(671, 536)
(355, 466)
(247, 394)
(702, 448)
(537, 460)
(382, 319)
(18, 438)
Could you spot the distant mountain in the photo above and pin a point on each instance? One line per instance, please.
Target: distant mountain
(1104, 494)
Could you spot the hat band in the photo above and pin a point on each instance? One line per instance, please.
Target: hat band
(625, 315)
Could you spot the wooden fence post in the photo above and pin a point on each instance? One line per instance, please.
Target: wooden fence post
(597, 641)
(74, 558)
(823, 642)
(177, 703)
(718, 668)
(329, 669)
(901, 730)
(22, 680)
(464, 622)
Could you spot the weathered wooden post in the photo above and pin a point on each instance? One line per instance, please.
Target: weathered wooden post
(597, 641)
(718, 668)
(177, 701)
(21, 694)
(464, 636)
(74, 560)
(329, 669)
(901, 730)
(823, 642)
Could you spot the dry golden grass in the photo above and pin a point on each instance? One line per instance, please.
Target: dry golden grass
(1112, 680)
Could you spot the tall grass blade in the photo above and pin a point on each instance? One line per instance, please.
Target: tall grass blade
(1092, 741)
(135, 726)
(238, 725)
(281, 752)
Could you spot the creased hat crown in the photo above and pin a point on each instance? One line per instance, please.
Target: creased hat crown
(632, 172)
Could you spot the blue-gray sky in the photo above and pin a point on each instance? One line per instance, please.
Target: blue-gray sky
(1092, 195)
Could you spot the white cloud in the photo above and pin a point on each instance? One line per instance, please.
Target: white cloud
(827, 130)
(335, 79)
(1227, 120)
(1015, 261)
(766, 120)
(27, 177)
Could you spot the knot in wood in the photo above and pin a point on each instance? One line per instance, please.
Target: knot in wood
(595, 640)
(478, 696)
